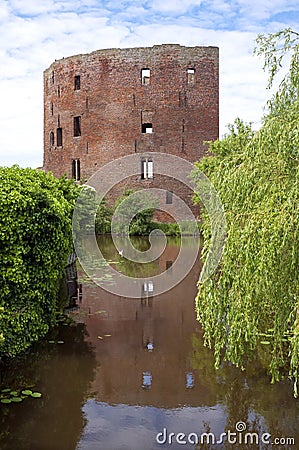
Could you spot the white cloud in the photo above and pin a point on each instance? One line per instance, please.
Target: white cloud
(174, 5)
(34, 34)
(32, 7)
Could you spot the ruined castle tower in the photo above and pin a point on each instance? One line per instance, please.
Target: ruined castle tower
(110, 103)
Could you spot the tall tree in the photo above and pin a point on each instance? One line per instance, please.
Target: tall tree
(249, 308)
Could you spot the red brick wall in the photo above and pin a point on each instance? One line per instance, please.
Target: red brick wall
(112, 102)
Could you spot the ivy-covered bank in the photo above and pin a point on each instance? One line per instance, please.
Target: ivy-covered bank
(250, 307)
(35, 240)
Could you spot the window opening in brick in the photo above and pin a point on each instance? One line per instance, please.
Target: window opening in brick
(145, 76)
(147, 128)
(147, 169)
(77, 126)
(58, 91)
(51, 139)
(53, 76)
(52, 109)
(86, 103)
(58, 120)
(150, 169)
(168, 198)
(76, 175)
(190, 76)
(143, 169)
(77, 82)
(168, 265)
(59, 137)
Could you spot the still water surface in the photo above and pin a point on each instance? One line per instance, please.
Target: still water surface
(132, 368)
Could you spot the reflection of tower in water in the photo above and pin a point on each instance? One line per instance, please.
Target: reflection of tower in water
(147, 293)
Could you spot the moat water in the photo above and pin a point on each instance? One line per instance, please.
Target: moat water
(129, 372)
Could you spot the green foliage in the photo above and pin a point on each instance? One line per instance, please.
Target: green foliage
(103, 218)
(253, 299)
(275, 49)
(134, 210)
(169, 229)
(35, 239)
(176, 228)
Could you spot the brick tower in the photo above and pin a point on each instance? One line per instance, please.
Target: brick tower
(111, 103)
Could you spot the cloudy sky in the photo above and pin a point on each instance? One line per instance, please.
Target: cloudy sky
(33, 33)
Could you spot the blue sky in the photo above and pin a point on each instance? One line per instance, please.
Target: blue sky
(33, 33)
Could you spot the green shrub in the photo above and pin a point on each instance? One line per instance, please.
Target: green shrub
(35, 240)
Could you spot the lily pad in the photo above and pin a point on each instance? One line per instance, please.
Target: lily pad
(5, 400)
(5, 390)
(36, 394)
(51, 342)
(14, 393)
(60, 342)
(16, 399)
(26, 392)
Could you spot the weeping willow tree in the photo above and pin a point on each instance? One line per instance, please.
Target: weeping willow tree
(249, 308)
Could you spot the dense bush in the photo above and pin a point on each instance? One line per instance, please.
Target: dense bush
(250, 306)
(35, 240)
(103, 218)
(133, 213)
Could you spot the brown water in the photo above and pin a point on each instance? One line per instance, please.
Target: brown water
(132, 368)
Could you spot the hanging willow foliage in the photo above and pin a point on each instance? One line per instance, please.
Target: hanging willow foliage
(249, 308)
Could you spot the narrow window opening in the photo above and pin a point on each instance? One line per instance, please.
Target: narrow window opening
(51, 139)
(58, 91)
(52, 109)
(77, 126)
(147, 128)
(168, 198)
(168, 265)
(53, 76)
(150, 169)
(145, 76)
(147, 169)
(59, 137)
(58, 120)
(77, 83)
(76, 175)
(190, 76)
(86, 104)
(143, 169)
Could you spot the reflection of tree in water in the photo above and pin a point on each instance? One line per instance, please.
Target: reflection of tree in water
(124, 265)
(138, 270)
(247, 396)
(62, 373)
